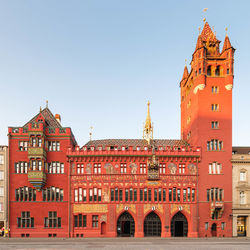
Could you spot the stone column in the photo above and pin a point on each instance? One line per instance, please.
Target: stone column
(235, 225)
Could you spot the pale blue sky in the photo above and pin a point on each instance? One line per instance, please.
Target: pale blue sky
(98, 62)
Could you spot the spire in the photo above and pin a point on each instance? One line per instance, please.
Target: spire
(206, 32)
(227, 43)
(148, 128)
(185, 73)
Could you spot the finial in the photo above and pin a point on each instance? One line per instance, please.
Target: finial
(186, 62)
(226, 30)
(47, 104)
(148, 129)
(199, 30)
(40, 109)
(204, 19)
(90, 133)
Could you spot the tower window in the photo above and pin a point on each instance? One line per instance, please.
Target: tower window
(199, 70)
(228, 71)
(217, 71)
(214, 145)
(215, 89)
(215, 107)
(209, 70)
(215, 124)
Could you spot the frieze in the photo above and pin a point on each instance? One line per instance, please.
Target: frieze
(152, 207)
(87, 208)
(176, 207)
(125, 207)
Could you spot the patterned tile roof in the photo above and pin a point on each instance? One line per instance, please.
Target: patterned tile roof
(49, 118)
(134, 143)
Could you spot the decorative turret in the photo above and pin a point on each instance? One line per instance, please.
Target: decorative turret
(148, 128)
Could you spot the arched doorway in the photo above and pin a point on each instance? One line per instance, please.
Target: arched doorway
(152, 225)
(125, 225)
(103, 228)
(214, 230)
(179, 225)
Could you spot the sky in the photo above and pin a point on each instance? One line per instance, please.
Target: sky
(99, 62)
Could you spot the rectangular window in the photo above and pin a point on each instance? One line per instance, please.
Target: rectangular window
(95, 194)
(76, 195)
(170, 194)
(84, 220)
(1, 175)
(184, 195)
(116, 194)
(135, 194)
(164, 195)
(131, 194)
(215, 107)
(112, 193)
(221, 194)
(178, 195)
(39, 142)
(174, 194)
(99, 195)
(94, 220)
(1, 191)
(149, 195)
(145, 194)
(215, 89)
(156, 194)
(215, 124)
(189, 194)
(75, 221)
(206, 225)
(212, 194)
(223, 224)
(80, 194)
(84, 195)
(123, 168)
(120, 194)
(126, 194)
(208, 194)
(141, 194)
(193, 195)
(160, 198)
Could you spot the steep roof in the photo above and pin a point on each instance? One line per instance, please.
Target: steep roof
(49, 118)
(206, 32)
(134, 143)
(227, 43)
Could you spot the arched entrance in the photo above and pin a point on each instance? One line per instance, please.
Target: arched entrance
(125, 225)
(214, 230)
(179, 225)
(103, 228)
(152, 225)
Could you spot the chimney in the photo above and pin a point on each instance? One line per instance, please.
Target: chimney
(58, 118)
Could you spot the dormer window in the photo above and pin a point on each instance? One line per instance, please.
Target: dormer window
(100, 148)
(92, 148)
(138, 148)
(145, 148)
(123, 148)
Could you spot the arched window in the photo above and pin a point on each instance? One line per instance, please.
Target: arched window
(217, 71)
(209, 70)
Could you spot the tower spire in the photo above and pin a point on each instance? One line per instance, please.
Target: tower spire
(148, 128)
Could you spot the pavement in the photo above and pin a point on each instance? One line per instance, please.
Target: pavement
(126, 243)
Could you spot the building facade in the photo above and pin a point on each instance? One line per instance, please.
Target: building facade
(138, 187)
(241, 191)
(3, 187)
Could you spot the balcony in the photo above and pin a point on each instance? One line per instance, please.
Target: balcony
(34, 152)
(37, 179)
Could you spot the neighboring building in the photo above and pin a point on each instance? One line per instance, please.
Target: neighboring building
(3, 187)
(138, 187)
(241, 191)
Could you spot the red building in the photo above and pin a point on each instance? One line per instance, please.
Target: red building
(138, 187)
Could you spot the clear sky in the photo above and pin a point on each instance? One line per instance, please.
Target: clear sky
(98, 62)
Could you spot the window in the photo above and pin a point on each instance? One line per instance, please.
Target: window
(228, 71)
(149, 195)
(162, 168)
(116, 194)
(126, 194)
(97, 168)
(214, 144)
(193, 195)
(1, 207)
(33, 142)
(23, 145)
(39, 140)
(21, 167)
(215, 124)
(141, 194)
(182, 169)
(112, 197)
(170, 194)
(80, 169)
(214, 168)
(164, 195)
(242, 198)
(131, 194)
(52, 221)
(215, 89)
(156, 194)
(178, 195)
(143, 168)
(206, 225)
(54, 146)
(189, 194)
(25, 194)
(25, 221)
(80, 220)
(1, 175)
(1, 191)
(55, 194)
(99, 195)
(145, 194)
(121, 194)
(174, 194)
(223, 224)
(123, 168)
(94, 220)
(242, 176)
(217, 71)
(1, 159)
(215, 107)
(209, 70)
(184, 195)
(56, 167)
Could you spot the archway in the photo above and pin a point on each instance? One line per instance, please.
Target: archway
(214, 230)
(152, 225)
(179, 225)
(103, 228)
(125, 225)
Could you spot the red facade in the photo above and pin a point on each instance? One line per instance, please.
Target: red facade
(139, 188)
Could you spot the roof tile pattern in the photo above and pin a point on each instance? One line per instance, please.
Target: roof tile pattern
(49, 118)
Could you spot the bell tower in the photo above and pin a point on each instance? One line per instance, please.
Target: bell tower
(206, 121)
